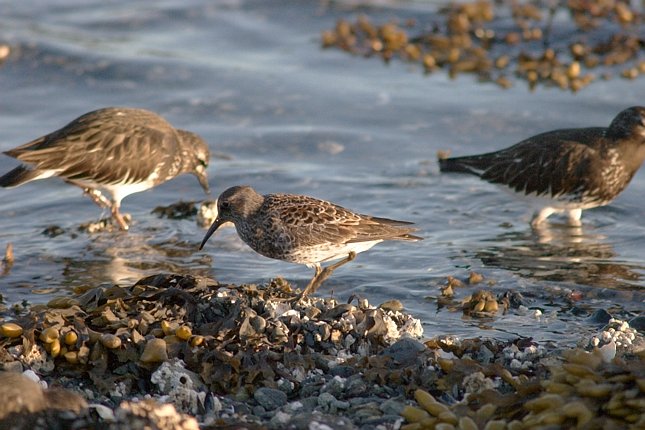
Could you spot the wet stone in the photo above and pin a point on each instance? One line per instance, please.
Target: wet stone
(335, 387)
(53, 231)
(515, 299)
(179, 210)
(392, 407)
(270, 398)
(638, 323)
(600, 317)
(342, 371)
(392, 305)
(355, 386)
(404, 351)
(309, 403)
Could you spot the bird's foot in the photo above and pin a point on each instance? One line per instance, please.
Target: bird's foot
(541, 216)
(120, 219)
(97, 197)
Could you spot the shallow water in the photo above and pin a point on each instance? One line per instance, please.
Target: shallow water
(285, 116)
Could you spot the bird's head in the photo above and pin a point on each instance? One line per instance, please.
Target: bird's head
(629, 123)
(234, 205)
(195, 157)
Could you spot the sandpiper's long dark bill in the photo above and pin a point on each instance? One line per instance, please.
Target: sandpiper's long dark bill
(303, 230)
(119, 150)
(565, 170)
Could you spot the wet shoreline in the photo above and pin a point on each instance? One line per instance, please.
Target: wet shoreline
(248, 356)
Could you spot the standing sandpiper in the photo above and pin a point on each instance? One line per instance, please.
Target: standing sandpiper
(565, 170)
(120, 150)
(303, 230)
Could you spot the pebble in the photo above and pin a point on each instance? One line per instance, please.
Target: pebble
(155, 351)
(392, 305)
(335, 386)
(392, 407)
(404, 351)
(270, 398)
(342, 371)
(638, 323)
(600, 316)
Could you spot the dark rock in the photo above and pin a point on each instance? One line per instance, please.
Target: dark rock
(335, 387)
(638, 323)
(342, 371)
(179, 210)
(392, 407)
(309, 403)
(600, 317)
(53, 231)
(355, 386)
(270, 398)
(392, 305)
(405, 351)
(515, 299)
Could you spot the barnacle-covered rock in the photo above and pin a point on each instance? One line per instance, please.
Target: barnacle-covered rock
(182, 387)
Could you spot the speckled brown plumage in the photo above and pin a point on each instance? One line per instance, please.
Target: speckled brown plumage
(302, 229)
(565, 170)
(119, 150)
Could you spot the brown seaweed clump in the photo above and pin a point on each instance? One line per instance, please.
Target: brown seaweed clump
(233, 339)
(179, 210)
(497, 40)
(579, 390)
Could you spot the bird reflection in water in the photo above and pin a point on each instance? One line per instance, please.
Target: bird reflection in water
(124, 262)
(563, 254)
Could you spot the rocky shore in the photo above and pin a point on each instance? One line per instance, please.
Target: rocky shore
(178, 352)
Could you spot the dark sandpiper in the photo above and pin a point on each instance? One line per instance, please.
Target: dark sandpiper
(303, 230)
(565, 170)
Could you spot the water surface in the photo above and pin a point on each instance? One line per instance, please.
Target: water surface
(283, 115)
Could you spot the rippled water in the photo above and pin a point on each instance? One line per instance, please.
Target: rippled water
(285, 116)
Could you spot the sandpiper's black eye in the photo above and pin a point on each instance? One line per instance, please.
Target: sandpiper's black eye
(224, 205)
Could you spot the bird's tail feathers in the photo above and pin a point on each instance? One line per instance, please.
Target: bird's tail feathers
(461, 165)
(409, 237)
(18, 176)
